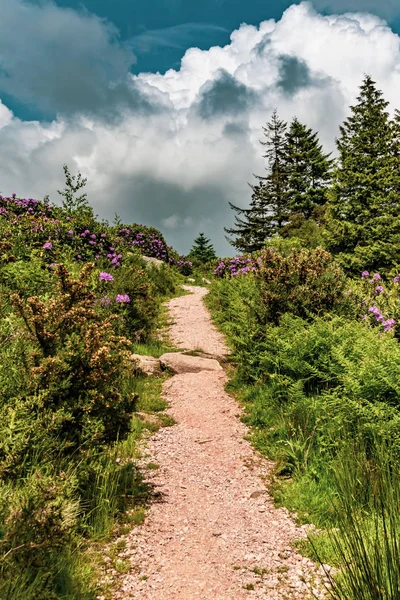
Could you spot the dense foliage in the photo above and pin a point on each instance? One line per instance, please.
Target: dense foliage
(75, 296)
(318, 370)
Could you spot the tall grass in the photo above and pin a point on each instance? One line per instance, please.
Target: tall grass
(367, 537)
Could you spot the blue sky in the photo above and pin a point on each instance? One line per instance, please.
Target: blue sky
(161, 103)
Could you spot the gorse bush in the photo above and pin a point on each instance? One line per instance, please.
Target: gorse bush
(304, 283)
(76, 363)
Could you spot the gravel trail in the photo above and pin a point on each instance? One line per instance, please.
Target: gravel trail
(215, 534)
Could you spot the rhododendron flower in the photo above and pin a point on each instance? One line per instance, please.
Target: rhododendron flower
(106, 276)
(376, 277)
(389, 324)
(365, 274)
(48, 246)
(122, 298)
(396, 279)
(379, 289)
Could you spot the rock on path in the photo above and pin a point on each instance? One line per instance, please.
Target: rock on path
(215, 534)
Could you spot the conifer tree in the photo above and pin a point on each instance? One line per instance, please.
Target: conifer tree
(364, 229)
(309, 169)
(202, 249)
(249, 230)
(268, 211)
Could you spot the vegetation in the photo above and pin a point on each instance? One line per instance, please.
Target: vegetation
(311, 311)
(365, 210)
(298, 173)
(76, 299)
(318, 365)
(202, 250)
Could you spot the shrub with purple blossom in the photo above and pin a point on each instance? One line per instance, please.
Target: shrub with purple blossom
(238, 265)
(147, 240)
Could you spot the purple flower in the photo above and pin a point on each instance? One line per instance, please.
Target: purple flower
(106, 276)
(105, 301)
(389, 324)
(122, 298)
(47, 246)
(70, 232)
(379, 289)
(365, 274)
(396, 279)
(377, 313)
(376, 277)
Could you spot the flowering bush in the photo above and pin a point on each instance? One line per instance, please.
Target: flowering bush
(184, 266)
(382, 301)
(305, 283)
(239, 265)
(147, 240)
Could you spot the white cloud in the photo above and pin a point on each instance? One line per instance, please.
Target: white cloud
(176, 167)
(171, 222)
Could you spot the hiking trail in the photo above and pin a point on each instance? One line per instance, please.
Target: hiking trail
(214, 532)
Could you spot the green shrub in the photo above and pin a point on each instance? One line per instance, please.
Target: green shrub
(306, 283)
(74, 366)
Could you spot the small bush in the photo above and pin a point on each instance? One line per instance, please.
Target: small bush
(306, 283)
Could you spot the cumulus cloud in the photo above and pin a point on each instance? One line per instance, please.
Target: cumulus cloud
(62, 61)
(176, 165)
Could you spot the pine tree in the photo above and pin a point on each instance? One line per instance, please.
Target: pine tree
(268, 211)
(309, 169)
(275, 195)
(364, 229)
(249, 229)
(202, 249)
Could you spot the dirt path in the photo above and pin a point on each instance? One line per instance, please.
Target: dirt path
(216, 534)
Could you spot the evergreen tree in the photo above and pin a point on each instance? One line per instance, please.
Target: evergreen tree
(202, 249)
(364, 228)
(268, 211)
(249, 229)
(308, 168)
